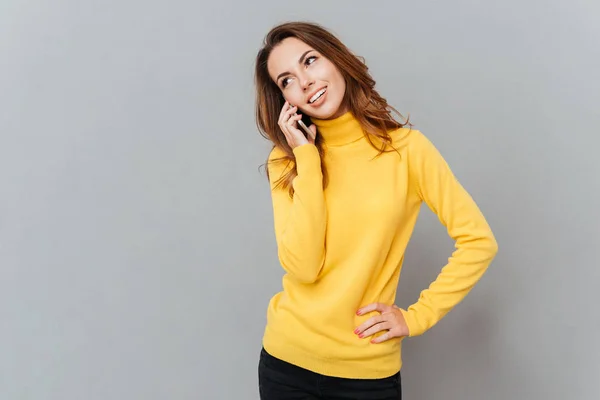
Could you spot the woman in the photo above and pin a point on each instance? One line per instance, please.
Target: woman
(345, 202)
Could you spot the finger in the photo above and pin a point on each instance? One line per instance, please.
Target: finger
(283, 126)
(294, 136)
(285, 107)
(373, 307)
(383, 337)
(293, 128)
(285, 129)
(385, 325)
(369, 323)
(286, 111)
(284, 116)
(290, 112)
(292, 120)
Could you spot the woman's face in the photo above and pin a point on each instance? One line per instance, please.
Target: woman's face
(307, 79)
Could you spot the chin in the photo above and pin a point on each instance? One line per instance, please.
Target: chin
(326, 112)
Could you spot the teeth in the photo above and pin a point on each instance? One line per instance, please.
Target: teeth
(317, 95)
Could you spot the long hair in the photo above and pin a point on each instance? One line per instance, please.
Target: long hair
(369, 108)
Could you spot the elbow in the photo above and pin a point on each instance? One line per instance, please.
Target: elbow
(305, 270)
(305, 278)
(309, 271)
(492, 246)
(303, 274)
(483, 246)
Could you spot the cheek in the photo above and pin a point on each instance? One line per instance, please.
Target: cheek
(295, 97)
(331, 71)
(340, 82)
(336, 78)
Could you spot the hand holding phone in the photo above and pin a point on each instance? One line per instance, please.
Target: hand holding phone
(294, 136)
(305, 128)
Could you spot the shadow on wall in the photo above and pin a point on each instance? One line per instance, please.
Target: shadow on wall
(466, 353)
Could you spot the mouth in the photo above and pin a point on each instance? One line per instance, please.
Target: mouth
(317, 95)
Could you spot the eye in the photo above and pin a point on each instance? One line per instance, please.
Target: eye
(313, 58)
(308, 61)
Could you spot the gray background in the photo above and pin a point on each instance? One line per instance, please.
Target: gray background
(136, 248)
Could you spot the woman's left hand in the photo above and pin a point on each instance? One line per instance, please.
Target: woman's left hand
(389, 319)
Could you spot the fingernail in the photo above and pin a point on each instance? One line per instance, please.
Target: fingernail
(361, 335)
(358, 312)
(356, 330)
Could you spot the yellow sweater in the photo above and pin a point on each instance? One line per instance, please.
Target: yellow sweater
(343, 247)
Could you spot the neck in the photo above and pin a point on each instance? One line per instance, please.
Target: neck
(340, 130)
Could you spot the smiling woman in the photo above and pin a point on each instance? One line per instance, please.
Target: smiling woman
(346, 197)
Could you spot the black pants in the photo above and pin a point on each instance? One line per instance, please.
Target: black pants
(280, 380)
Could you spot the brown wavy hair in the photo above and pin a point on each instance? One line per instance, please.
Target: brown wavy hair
(369, 108)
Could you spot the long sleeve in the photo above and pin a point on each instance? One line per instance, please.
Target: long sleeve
(300, 222)
(475, 245)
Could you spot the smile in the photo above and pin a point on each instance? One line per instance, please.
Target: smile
(317, 95)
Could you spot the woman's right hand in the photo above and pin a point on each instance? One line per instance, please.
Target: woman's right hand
(288, 124)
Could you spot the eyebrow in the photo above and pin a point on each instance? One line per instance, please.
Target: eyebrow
(299, 62)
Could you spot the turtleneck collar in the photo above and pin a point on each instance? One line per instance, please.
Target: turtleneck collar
(339, 131)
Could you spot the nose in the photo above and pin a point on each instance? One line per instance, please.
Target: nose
(306, 81)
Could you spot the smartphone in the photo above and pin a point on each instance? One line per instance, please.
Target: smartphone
(305, 128)
(303, 124)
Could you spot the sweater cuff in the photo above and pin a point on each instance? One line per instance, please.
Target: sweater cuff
(411, 322)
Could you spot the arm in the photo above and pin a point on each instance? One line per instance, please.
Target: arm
(475, 243)
(300, 222)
